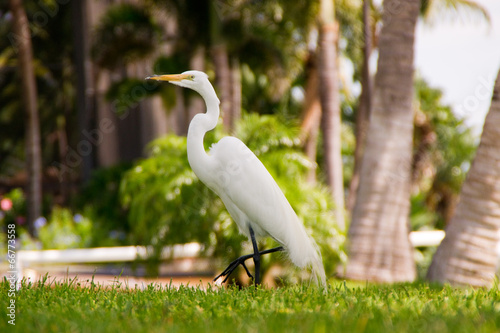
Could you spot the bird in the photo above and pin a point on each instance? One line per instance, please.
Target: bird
(249, 192)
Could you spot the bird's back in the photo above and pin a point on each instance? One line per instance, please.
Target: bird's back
(253, 197)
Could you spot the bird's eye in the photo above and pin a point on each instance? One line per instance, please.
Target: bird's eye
(191, 77)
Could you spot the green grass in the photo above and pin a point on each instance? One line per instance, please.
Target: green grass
(69, 307)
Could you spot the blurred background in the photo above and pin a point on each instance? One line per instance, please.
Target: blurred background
(108, 166)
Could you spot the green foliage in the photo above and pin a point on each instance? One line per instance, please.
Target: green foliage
(169, 65)
(18, 209)
(12, 211)
(193, 20)
(48, 306)
(127, 93)
(99, 201)
(168, 204)
(98, 220)
(349, 16)
(270, 40)
(125, 33)
(163, 197)
(462, 10)
(348, 145)
(65, 230)
(443, 150)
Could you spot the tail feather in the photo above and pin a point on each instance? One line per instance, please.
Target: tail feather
(304, 252)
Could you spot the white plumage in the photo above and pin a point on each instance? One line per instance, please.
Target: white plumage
(247, 189)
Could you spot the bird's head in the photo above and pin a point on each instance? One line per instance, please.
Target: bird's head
(196, 80)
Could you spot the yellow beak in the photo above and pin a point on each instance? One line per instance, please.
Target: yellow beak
(171, 77)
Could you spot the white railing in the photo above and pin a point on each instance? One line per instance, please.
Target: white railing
(426, 238)
(27, 258)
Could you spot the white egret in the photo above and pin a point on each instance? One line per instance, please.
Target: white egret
(249, 192)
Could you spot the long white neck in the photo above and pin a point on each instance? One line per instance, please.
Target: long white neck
(202, 123)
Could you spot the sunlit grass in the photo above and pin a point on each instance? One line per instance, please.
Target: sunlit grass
(48, 306)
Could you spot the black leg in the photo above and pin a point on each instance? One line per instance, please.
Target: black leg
(256, 257)
(241, 261)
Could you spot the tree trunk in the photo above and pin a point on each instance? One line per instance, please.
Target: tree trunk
(363, 114)
(33, 144)
(379, 247)
(330, 106)
(223, 82)
(311, 115)
(196, 104)
(468, 254)
(235, 92)
(63, 146)
(95, 108)
(85, 92)
(223, 74)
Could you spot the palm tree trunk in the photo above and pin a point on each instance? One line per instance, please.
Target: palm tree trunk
(84, 83)
(63, 146)
(195, 104)
(330, 105)
(363, 114)
(309, 128)
(467, 255)
(223, 74)
(235, 92)
(33, 144)
(223, 81)
(379, 247)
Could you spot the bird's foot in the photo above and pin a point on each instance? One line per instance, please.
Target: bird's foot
(233, 265)
(241, 261)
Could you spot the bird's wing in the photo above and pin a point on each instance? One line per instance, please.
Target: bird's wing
(249, 190)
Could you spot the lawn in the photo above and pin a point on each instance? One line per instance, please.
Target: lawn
(48, 306)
